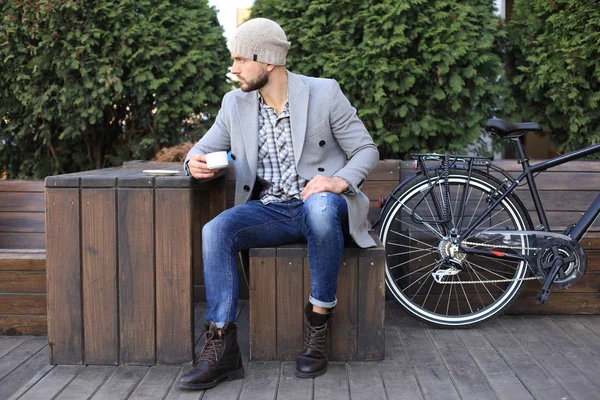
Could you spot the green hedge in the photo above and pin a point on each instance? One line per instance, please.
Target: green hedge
(556, 68)
(89, 84)
(423, 75)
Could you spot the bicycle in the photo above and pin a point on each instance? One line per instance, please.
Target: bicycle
(460, 243)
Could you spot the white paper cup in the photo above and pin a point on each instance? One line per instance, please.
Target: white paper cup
(217, 160)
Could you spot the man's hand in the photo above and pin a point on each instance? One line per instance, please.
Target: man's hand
(322, 183)
(198, 168)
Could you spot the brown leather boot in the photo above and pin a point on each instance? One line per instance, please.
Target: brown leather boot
(312, 362)
(220, 359)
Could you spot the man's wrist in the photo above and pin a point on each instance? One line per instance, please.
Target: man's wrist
(343, 185)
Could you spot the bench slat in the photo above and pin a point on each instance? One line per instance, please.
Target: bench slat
(22, 201)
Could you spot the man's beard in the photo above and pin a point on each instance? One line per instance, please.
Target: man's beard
(258, 83)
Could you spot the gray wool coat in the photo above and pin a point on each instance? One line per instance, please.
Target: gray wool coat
(328, 139)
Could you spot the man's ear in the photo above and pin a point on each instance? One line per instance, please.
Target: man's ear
(270, 67)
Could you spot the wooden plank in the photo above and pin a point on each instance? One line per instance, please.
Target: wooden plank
(290, 301)
(344, 322)
(23, 325)
(559, 303)
(374, 189)
(564, 372)
(17, 185)
(23, 222)
(578, 331)
(99, 276)
(23, 262)
(156, 383)
(586, 362)
(398, 376)
(263, 304)
(262, 378)
(10, 343)
(23, 304)
(503, 380)
(533, 374)
(174, 296)
(136, 276)
(436, 382)
(64, 276)
(52, 383)
(200, 218)
(559, 200)
(22, 201)
(365, 381)
(386, 170)
(25, 374)
(176, 393)
(427, 363)
(467, 376)
(21, 354)
(592, 322)
(576, 165)
(121, 383)
(22, 282)
(371, 305)
(589, 283)
(86, 383)
(291, 387)
(22, 240)
(333, 385)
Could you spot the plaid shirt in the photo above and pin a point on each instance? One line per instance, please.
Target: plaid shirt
(276, 164)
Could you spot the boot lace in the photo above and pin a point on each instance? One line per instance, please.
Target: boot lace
(212, 348)
(315, 338)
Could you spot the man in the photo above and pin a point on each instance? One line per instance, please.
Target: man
(297, 143)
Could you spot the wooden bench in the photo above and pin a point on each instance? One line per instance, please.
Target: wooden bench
(22, 258)
(121, 250)
(279, 289)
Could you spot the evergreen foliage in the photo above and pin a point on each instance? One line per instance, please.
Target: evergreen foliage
(556, 70)
(89, 84)
(424, 75)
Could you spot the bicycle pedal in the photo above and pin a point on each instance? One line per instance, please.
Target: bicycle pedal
(542, 296)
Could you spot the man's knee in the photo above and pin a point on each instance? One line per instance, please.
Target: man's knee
(325, 211)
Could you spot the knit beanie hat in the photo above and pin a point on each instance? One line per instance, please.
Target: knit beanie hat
(262, 40)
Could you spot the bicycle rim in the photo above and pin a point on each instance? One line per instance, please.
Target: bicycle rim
(415, 249)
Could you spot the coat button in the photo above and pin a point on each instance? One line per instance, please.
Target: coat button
(322, 143)
(321, 169)
(233, 156)
(246, 188)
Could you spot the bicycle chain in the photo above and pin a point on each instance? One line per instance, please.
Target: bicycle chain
(472, 244)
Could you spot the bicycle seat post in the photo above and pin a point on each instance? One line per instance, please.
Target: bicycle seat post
(524, 161)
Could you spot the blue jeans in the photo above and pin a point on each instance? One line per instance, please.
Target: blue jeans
(321, 222)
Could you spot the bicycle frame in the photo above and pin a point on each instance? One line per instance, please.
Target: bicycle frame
(580, 227)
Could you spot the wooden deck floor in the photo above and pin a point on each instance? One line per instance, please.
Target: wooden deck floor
(512, 357)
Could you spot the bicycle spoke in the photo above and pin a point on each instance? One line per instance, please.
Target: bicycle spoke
(404, 263)
(411, 238)
(420, 269)
(486, 269)
(413, 213)
(485, 287)
(418, 249)
(466, 297)
(475, 287)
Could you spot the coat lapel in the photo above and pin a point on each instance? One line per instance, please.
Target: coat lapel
(298, 99)
(247, 109)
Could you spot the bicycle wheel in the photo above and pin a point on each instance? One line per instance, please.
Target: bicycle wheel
(416, 246)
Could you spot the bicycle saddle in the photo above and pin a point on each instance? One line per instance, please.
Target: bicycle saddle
(508, 130)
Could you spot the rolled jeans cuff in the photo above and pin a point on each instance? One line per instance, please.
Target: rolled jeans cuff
(323, 304)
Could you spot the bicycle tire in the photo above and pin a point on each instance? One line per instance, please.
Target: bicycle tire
(412, 247)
